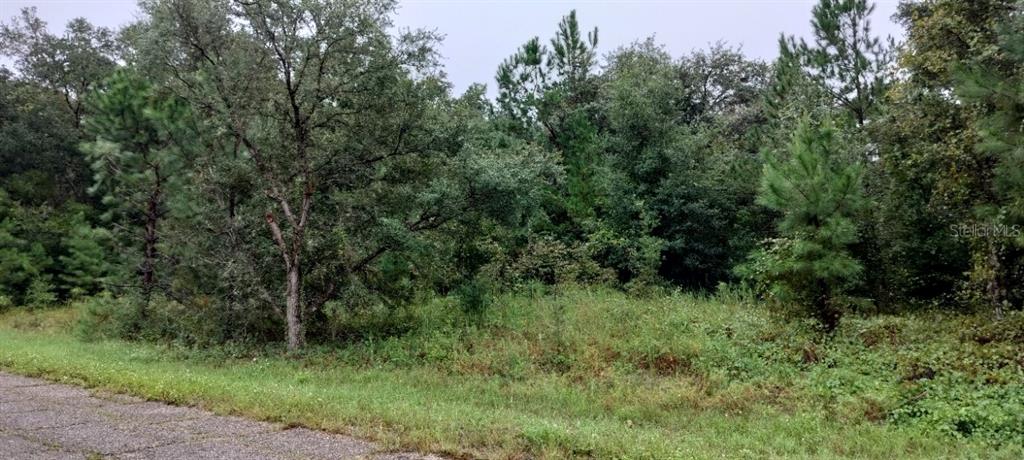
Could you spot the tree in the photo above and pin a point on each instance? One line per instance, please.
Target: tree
(553, 90)
(39, 161)
(322, 104)
(931, 176)
(24, 261)
(844, 58)
(998, 90)
(70, 64)
(681, 142)
(42, 172)
(139, 155)
(35, 237)
(535, 82)
(722, 82)
(810, 263)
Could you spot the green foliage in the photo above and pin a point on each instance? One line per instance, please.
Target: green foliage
(87, 265)
(535, 83)
(296, 169)
(475, 296)
(58, 247)
(1000, 127)
(581, 153)
(40, 294)
(930, 176)
(686, 188)
(70, 64)
(38, 160)
(548, 96)
(845, 58)
(41, 175)
(106, 317)
(660, 374)
(21, 259)
(138, 152)
(350, 160)
(817, 196)
(551, 261)
(975, 394)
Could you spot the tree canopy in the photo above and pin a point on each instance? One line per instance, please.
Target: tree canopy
(258, 170)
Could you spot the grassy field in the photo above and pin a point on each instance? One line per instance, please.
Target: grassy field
(593, 373)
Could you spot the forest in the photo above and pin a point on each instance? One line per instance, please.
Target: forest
(837, 231)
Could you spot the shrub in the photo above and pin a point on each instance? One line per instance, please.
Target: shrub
(1010, 329)
(40, 294)
(553, 262)
(106, 317)
(86, 265)
(129, 317)
(475, 295)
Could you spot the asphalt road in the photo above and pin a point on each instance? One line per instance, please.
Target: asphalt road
(43, 420)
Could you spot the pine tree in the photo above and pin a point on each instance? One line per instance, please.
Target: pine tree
(572, 57)
(85, 267)
(535, 83)
(137, 158)
(845, 58)
(550, 91)
(810, 263)
(23, 259)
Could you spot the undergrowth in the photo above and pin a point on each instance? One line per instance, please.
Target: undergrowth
(592, 372)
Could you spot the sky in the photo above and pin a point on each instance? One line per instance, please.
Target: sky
(479, 34)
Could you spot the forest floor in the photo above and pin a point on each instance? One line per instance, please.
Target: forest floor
(591, 373)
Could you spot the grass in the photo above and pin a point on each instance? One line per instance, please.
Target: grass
(594, 373)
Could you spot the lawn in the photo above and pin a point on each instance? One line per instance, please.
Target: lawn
(593, 373)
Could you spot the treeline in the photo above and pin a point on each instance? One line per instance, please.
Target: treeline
(251, 171)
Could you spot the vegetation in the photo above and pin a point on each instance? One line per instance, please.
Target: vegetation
(810, 263)
(297, 182)
(594, 372)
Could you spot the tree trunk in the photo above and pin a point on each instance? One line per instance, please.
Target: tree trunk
(293, 284)
(827, 313)
(996, 291)
(149, 254)
(293, 312)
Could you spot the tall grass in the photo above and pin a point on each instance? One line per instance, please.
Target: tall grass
(595, 373)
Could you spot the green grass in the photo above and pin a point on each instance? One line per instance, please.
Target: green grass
(595, 374)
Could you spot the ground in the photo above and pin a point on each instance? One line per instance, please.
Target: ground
(43, 420)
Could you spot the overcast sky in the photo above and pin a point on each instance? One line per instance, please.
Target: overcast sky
(479, 34)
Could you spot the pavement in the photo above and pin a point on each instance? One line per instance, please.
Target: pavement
(43, 420)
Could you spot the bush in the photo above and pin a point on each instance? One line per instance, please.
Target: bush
(106, 317)
(40, 294)
(1010, 329)
(553, 262)
(475, 295)
(22, 260)
(635, 259)
(961, 409)
(197, 323)
(85, 266)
